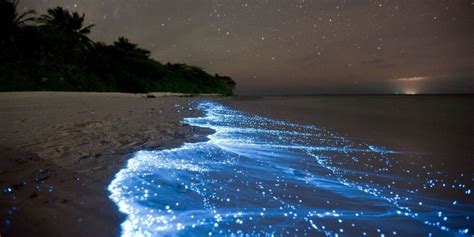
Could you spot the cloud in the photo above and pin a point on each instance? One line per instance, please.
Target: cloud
(415, 78)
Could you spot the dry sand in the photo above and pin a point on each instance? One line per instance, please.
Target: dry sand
(59, 151)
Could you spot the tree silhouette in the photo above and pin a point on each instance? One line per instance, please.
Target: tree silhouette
(61, 19)
(125, 46)
(57, 55)
(10, 20)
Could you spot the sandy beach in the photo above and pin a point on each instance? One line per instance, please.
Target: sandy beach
(63, 154)
(60, 150)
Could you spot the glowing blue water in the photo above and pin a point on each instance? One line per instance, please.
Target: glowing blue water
(257, 176)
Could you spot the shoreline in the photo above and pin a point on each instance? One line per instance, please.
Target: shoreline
(183, 191)
(65, 149)
(116, 94)
(58, 175)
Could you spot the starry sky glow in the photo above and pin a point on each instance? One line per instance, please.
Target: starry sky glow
(300, 46)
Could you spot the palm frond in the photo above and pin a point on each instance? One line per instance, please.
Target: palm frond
(21, 18)
(15, 3)
(45, 18)
(27, 20)
(86, 30)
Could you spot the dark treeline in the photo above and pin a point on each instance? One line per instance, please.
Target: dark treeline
(53, 52)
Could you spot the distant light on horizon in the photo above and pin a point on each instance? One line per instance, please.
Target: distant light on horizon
(410, 91)
(410, 85)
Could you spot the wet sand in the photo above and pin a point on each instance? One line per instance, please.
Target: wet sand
(59, 151)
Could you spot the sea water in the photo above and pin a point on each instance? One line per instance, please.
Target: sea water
(265, 177)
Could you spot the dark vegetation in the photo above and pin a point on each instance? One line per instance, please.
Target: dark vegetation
(53, 52)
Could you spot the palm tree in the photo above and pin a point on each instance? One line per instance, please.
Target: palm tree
(10, 20)
(61, 19)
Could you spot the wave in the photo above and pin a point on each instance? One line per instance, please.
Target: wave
(258, 176)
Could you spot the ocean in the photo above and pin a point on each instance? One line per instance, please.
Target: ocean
(309, 166)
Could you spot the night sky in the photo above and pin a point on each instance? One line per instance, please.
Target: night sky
(300, 46)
